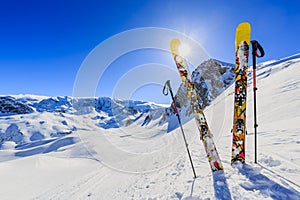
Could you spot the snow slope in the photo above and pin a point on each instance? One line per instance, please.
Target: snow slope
(147, 162)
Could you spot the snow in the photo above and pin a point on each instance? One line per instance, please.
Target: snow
(49, 154)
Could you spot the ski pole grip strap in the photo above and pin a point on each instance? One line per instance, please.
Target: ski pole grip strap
(165, 89)
(261, 51)
(257, 47)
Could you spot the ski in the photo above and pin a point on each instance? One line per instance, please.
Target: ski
(242, 42)
(205, 134)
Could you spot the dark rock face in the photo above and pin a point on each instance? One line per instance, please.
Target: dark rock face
(10, 106)
(210, 79)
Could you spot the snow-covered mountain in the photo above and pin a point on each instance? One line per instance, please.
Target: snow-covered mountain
(28, 118)
(60, 148)
(211, 78)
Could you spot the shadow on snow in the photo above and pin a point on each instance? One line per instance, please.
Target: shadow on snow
(39, 147)
(266, 186)
(222, 191)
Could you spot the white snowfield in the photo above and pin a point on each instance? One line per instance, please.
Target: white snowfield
(73, 156)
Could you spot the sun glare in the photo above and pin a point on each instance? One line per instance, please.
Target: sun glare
(184, 50)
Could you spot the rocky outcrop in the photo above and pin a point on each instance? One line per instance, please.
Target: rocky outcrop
(10, 106)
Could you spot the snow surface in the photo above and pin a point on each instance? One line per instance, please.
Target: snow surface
(68, 154)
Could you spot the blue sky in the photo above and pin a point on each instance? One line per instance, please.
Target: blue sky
(43, 43)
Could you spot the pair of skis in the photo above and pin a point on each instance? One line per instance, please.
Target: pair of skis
(239, 123)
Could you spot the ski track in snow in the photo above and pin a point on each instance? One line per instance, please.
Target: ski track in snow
(75, 166)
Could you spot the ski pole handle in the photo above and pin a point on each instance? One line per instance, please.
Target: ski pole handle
(257, 47)
(168, 83)
(165, 89)
(165, 92)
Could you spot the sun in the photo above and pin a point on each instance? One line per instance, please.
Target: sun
(184, 50)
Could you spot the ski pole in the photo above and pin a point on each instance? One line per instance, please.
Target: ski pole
(165, 92)
(255, 48)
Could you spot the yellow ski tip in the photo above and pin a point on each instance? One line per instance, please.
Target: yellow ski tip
(243, 31)
(244, 25)
(174, 44)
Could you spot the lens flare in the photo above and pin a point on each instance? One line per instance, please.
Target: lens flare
(184, 50)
